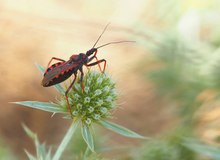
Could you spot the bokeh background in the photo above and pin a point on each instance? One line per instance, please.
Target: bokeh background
(168, 80)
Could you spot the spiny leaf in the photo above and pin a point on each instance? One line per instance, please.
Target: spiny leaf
(87, 136)
(40, 68)
(30, 156)
(45, 106)
(41, 152)
(120, 130)
(31, 134)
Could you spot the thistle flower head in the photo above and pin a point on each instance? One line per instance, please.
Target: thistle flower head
(97, 100)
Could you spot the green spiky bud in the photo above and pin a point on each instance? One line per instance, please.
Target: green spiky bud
(96, 102)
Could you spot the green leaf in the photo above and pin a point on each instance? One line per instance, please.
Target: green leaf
(87, 136)
(34, 137)
(41, 152)
(30, 156)
(58, 87)
(203, 149)
(45, 106)
(31, 134)
(48, 156)
(120, 130)
(66, 140)
(40, 68)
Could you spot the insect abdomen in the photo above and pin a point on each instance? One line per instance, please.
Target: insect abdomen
(54, 75)
(57, 79)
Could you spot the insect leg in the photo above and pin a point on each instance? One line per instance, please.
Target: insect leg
(90, 59)
(81, 79)
(54, 58)
(98, 62)
(66, 94)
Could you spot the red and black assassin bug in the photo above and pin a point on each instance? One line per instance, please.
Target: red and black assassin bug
(62, 70)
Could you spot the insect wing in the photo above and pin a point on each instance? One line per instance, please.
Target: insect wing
(68, 66)
(55, 72)
(50, 75)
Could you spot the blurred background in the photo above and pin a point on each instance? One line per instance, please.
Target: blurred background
(169, 80)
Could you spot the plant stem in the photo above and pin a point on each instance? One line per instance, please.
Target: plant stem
(66, 140)
(86, 153)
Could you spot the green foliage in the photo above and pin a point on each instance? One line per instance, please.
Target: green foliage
(203, 149)
(157, 150)
(45, 106)
(5, 152)
(93, 156)
(120, 130)
(169, 148)
(178, 77)
(183, 73)
(185, 64)
(216, 76)
(176, 139)
(41, 152)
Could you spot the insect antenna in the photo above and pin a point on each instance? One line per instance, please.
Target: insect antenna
(113, 43)
(101, 35)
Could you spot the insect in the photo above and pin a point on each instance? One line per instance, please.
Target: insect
(62, 70)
